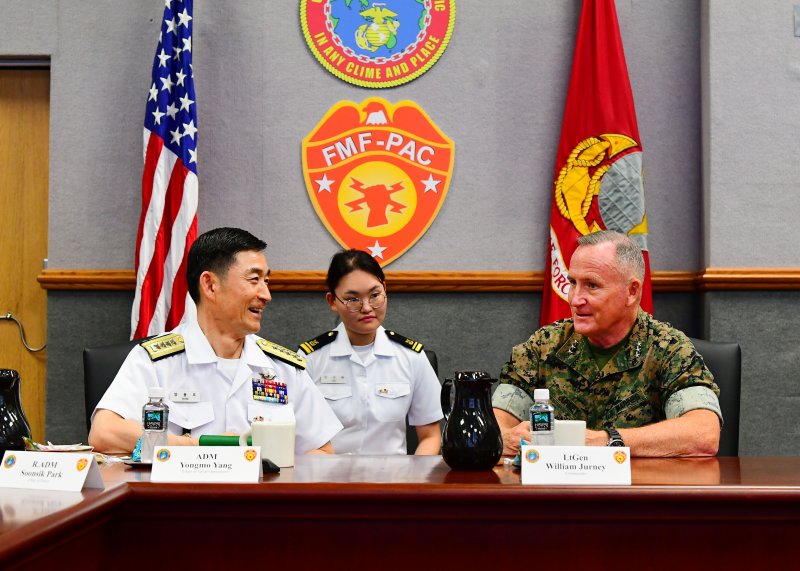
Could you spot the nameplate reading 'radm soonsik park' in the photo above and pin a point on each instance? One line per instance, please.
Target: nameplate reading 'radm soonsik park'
(576, 465)
(68, 472)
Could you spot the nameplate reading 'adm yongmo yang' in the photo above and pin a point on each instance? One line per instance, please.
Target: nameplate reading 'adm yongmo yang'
(207, 464)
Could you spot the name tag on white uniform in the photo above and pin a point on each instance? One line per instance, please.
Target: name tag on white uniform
(332, 380)
(185, 395)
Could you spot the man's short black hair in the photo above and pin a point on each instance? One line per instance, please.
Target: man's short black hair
(215, 251)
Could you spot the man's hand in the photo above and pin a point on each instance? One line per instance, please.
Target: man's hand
(512, 430)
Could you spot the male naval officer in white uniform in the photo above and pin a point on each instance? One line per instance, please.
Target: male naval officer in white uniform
(224, 375)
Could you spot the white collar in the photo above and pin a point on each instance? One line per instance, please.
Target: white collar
(341, 347)
(199, 350)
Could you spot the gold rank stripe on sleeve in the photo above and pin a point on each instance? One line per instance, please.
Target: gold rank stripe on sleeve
(164, 346)
(415, 346)
(318, 342)
(282, 353)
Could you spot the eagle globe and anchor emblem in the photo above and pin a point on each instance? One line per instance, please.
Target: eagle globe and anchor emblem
(377, 174)
(381, 29)
(599, 187)
(377, 44)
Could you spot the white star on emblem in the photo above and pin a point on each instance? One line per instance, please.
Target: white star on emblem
(171, 25)
(324, 183)
(153, 93)
(176, 135)
(171, 110)
(187, 44)
(192, 156)
(181, 76)
(431, 183)
(377, 250)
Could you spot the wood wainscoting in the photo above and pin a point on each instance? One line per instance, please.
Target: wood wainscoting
(710, 279)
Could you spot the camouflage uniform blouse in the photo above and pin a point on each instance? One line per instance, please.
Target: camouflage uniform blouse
(639, 385)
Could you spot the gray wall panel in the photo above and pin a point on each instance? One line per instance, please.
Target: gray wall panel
(754, 120)
(76, 320)
(763, 324)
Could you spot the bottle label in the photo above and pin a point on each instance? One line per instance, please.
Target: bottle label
(154, 420)
(542, 421)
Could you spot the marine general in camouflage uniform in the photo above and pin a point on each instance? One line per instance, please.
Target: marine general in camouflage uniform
(612, 364)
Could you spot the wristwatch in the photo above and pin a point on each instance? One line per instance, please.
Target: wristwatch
(615, 439)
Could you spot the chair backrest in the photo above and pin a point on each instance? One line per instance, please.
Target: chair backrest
(411, 432)
(724, 360)
(100, 366)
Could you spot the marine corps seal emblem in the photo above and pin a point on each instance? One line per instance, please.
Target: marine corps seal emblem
(377, 174)
(377, 44)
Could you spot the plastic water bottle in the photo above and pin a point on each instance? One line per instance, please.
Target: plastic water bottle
(155, 419)
(542, 418)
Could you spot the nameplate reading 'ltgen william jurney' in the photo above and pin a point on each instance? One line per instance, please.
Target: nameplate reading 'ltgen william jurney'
(576, 465)
(196, 464)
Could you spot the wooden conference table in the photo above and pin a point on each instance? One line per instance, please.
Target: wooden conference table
(346, 512)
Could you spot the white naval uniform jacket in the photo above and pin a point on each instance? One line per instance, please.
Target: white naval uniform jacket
(372, 399)
(223, 406)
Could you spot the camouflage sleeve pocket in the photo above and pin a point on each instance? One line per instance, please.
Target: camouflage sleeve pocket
(692, 398)
(512, 400)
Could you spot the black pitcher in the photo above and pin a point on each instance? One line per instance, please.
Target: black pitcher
(13, 424)
(471, 438)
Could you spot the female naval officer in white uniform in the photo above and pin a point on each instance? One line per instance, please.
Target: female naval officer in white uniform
(372, 378)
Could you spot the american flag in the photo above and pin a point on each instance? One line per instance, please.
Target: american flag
(168, 221)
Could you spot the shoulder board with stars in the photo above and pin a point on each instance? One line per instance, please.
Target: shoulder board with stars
(318, 342)
(281, 353)
(163, 346)
(415, 346)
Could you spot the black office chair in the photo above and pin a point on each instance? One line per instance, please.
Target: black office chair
(100, 366)
(724, 360)
(412, 441)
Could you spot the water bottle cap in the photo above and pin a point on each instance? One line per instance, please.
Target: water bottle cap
(541, 394)
(156, 392)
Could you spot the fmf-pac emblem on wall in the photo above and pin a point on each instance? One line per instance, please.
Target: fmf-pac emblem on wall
(377, 44)
(377, 174)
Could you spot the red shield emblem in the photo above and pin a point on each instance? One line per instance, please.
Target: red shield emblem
(377, 174)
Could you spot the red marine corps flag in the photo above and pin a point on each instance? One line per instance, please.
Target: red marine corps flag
(598, 175)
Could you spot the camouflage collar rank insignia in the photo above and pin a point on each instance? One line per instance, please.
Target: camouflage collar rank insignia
(281, 353)
(318, 342)
(415, 346)
(163, 346)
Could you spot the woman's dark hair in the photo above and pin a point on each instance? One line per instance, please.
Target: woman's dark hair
(348, 261)
(215, 251)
